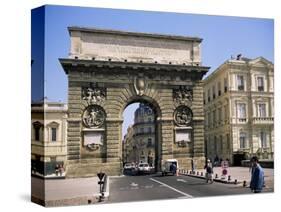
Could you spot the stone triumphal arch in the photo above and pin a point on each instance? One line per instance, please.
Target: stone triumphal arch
(108, 70)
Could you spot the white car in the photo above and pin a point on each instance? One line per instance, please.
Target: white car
(128, 166)
(143, 168)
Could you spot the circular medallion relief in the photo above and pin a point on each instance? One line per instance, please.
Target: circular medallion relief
(182, 116)
(93, 116)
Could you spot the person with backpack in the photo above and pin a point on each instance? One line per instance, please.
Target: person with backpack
(209, 171)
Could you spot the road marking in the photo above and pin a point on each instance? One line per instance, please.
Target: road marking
(172, 188)
(181, 180)
(133, 184)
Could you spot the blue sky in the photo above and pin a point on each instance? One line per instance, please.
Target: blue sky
(222, 37)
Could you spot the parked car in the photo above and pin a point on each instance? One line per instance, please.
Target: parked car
(169, 166)
(143, 168)
(128, 166)
(152, 169)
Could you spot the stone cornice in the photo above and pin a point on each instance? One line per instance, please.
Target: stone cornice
(135, 34)
(69, 64)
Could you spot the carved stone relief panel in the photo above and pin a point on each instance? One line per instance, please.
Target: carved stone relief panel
(183, 116)
(93, 116)
(183, 95)
(93, 94)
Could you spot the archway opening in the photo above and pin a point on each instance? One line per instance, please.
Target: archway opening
(140, 138)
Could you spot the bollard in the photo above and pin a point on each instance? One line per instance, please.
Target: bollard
(229, 177)
(190, 172)
(216, 176)
(235, 181)
(197, 173)
(102, 179)
(244, 183)
(202, 174)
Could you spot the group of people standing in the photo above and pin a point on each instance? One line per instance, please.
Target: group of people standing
(257, 174)
(59, 169)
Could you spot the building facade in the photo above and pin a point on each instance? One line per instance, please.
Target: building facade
(140, 139)
(239, 110)
(48, 136)
(128, 155)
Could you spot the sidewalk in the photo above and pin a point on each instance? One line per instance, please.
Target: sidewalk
(238, 173)
(62, 192)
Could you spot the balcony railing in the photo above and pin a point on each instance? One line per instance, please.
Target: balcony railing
(236, 120)
(243, 149)
(144, 133)
(242, 120)
(263, 149)
(263, 120)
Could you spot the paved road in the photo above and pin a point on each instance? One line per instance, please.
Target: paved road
(152, 187)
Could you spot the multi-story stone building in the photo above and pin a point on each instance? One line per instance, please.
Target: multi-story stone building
(48, 136)
(128, 146)
(239, 110)
(139, 142)
(144, 134)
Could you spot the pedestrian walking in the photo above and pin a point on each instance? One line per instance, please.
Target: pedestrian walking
(209, 171)
(192, 165)
(61, 169)
(57, 170)
(173, 168)
(216, 160)
(257, 178)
